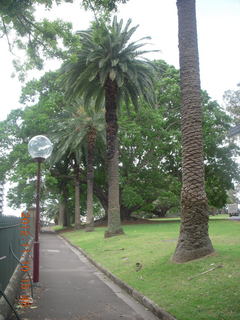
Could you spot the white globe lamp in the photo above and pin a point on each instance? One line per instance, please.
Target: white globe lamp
(40, 147)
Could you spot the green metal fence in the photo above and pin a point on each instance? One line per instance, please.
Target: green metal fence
(10, 240)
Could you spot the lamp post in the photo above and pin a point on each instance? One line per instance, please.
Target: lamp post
(40, 148)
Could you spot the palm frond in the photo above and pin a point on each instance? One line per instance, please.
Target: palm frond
(111, 56)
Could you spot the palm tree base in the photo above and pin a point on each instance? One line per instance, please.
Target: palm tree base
(109, 234)
(182, 254)
(77, 227)
(89, 228)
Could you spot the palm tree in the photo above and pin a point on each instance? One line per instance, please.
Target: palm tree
(91, 124)
(60, 170)
(194, 241)
(67, 140)
(77, 129)
(107, 70)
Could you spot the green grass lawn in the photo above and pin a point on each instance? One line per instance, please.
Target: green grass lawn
(211, 296)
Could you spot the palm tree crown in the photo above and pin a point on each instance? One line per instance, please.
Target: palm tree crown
(107, 54)
(71, 133)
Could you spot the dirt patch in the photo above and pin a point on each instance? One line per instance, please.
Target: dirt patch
(68, 229)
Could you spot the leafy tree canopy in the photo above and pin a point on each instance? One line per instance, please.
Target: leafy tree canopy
(220, 172)
(232, 101)
(41, 39)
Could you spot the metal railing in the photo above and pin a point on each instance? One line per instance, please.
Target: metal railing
(10, 237)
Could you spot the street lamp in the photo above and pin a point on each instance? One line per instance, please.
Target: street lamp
(40, 148)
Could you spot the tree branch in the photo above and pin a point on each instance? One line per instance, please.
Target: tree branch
(30, 23)
(218, 266)
(6, 34)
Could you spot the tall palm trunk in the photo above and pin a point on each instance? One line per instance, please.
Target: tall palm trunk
(91, 140)
(114, 222)
(66, 217)
(194, 241)
(77, 198)
(61, 212)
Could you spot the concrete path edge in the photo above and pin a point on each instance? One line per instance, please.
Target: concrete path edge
(145, 301)
(13, 287)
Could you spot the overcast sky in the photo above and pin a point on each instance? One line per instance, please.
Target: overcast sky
(218, 35)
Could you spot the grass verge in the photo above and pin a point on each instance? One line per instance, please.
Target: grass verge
(184, 290)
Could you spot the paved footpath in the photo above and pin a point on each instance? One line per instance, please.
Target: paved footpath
(73, 289)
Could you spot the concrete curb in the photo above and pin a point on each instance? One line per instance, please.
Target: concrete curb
(145, 301)
(12, 288)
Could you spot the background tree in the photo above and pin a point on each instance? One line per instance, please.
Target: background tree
(232, 102)
(60, 188)
(233, 195)
(194, 241)
(220, 175)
